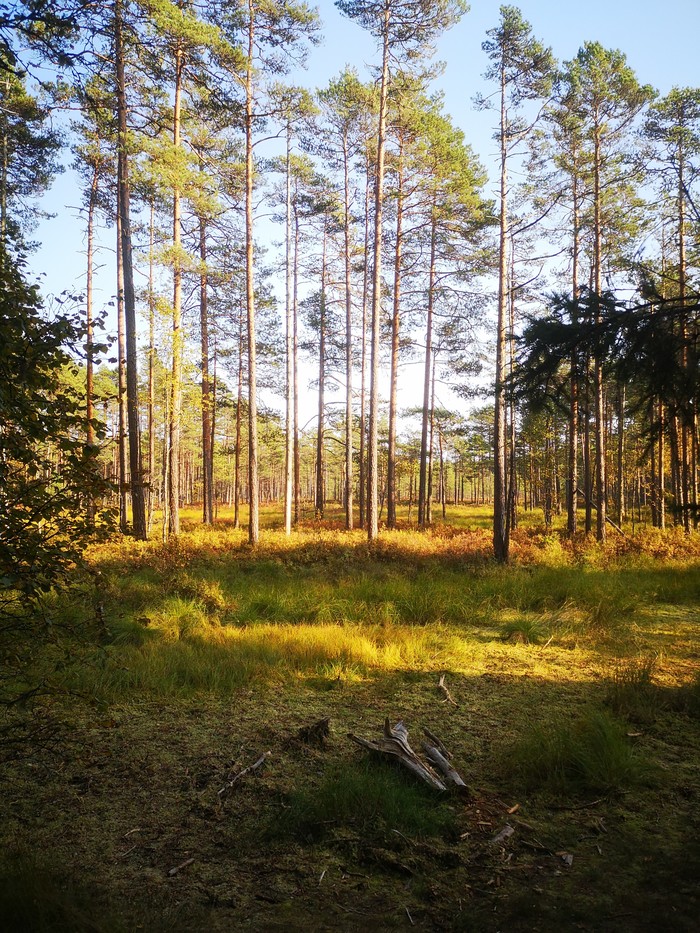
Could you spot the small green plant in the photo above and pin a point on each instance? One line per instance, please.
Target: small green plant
(523, 632)
(592, 754)
(633, 693)
(373, 797)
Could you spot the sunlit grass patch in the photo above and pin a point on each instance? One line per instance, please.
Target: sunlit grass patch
(186, 653)
(179, 619)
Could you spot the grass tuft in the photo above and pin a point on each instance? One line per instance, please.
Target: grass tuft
(372, 797)
(633, 693)
(591, 755)
(523, 632)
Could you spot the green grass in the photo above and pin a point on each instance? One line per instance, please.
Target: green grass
(34, 899)
(590, 755)
(633, 692)
(213, 653)
(372, 798)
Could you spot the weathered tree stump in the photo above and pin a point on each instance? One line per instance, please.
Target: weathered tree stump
(394, 742)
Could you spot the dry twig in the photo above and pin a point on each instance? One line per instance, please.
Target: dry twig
(234, 779)
(442, 686)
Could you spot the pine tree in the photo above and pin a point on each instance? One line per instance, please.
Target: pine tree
(672, 127)
(345, 104)
(271, 35)
(402, 28)
(609, 97)
(522, 68)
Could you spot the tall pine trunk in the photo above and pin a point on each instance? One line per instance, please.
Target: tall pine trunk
(600, 484)
(395, 337)
(207, 406)
(423, 478)
(295, 376)
(174, 491)
(373, 458)
(127, 290)
(89, 327)
(253, 493)
(363, 363)
(121, 386)
(501, 543)
(348, 344)
(151, 368)
(289, 345)
(320, 499)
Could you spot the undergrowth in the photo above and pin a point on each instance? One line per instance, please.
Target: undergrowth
(171, 667)
(591, 754)
(371, 798)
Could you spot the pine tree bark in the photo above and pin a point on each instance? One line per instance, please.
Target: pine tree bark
(253, 492)
(138, 508)
(174, 491)
(395, 336)
(207, 407)
(572, 492)
(295, 376)
(621, 505)
(151, 370)
(600, 484)
(501, 542)
(348, 344)
(121, 387)
(89, 327)
(423, 477)
(289, 346)
(373, 457)
(320, 497)
(363, 363)
(239, 419)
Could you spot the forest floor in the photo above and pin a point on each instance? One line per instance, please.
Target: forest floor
(573, 715)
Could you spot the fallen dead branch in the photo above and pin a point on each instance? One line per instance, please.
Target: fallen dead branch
(185, 864)
(234, 779)
(437, 758)
(579, 806)
(437, 743)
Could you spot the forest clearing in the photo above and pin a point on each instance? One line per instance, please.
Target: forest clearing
(349, 466)
(571, 709)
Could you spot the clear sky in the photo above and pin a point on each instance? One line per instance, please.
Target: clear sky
(659, 40)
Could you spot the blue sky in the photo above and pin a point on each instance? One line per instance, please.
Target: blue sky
(660, 41)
